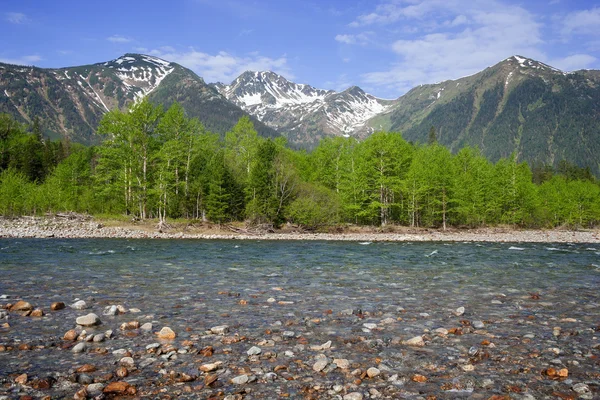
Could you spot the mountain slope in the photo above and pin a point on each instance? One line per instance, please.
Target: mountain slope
(519, 105)
(301, 112)
(71, 101)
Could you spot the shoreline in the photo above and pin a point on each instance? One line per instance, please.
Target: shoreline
(89, 228)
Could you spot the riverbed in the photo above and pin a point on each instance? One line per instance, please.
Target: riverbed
(299, 319)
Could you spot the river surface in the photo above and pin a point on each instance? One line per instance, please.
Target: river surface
(289, 296)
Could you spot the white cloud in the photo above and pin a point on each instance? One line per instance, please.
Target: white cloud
(473, 39)
(119, 39)
(16, 17)
(574, 62)
(224, 67)
(584, 22)
(24, 60)
(361, 38)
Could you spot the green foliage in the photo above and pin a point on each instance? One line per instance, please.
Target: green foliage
(156, 164)
(15, 193)
(315, 207)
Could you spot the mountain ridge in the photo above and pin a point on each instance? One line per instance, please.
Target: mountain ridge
(72, 100)
(519, 105)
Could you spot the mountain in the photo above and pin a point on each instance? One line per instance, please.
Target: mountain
(519, 105)
(301, 112)
(71, 101)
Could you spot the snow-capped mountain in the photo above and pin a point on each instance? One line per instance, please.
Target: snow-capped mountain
(301, 111)
(71, 101)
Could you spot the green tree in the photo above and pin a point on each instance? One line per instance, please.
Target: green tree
(262, 204)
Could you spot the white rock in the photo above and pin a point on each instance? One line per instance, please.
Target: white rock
(253, 351)
(88, 320)
(220, 330)
(79, 348)
(416, 341)
(240, 380)
(127, 361)
(320, 365)
(110, 310)
(95, 388)
(459, 311)
(370, 325)
(373, 372)
(353, 396)
(342, 363)
(79, 305)
(146, 327)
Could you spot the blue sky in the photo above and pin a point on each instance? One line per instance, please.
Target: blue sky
(386, 47)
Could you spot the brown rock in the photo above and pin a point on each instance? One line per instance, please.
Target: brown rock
(86, 368)
(21, 306)
(71, 335)
(166, 333)
(209, 367)
(21, 379)
(121, 372)
(419, 378)
(563, 373)
(207, 351)
(24, 346)
(42, 384)
(120, 387)
(130, 325)
(59, 305)
(38, 312)
(210, 379)
(81, 394)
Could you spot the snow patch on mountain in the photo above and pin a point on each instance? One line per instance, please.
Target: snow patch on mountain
(286, 105)
(140, 73)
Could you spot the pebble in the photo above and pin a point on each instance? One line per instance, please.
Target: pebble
(370, 326)
(21, 379)
(58, 305)
(581, 388)
(127, 361)
(353, 396)
(209, 367)
(146, 327)
(120, 388)
(373, 372)
(71, 335)
(342, 363)
(21, 306)
(416, 341)
(99, 337)
(166, 333)
(79, 305)
(459, 311)
(88, 320)
(240, 380)
(220, 329)
(79, 348)
(95, 389)
(37, 313)
(320, 365)
(110, 310)
(478, 324)
(254, 351)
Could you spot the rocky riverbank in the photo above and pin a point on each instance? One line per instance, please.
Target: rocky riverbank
(60, 227)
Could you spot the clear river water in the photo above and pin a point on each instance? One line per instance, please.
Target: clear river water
(290, 299)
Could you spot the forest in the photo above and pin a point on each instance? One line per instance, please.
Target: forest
(157, 164)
